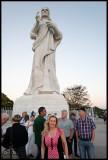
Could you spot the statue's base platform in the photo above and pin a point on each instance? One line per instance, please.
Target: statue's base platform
(54, 104)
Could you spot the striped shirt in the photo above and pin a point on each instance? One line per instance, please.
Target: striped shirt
(85, 128)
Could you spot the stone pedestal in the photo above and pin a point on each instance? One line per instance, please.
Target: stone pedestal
(54, 104)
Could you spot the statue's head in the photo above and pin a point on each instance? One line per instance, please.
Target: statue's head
(45, 12)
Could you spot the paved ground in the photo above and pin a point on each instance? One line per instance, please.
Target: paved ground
(100, 142)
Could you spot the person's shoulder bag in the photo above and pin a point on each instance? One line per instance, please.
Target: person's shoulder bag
(62, 143)
(10, 153)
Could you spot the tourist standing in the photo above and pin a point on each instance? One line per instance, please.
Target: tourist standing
(29, 127)
(85, 133)
(38, 128)
(22, 122)
(68, 128)
(73, 119)
(19, 137)
(105, 117)
(4, 119)
(51, 141)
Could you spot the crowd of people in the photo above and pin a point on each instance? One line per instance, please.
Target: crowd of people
(53, 136)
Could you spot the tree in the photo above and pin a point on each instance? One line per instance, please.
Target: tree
(77, 96)
(6, 102)
(99, 111)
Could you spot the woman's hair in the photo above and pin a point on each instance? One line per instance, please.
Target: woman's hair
(24, 113)
(26, 118)
(46, 125)
(16, 118)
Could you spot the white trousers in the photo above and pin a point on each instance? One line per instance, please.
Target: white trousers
(29, 145)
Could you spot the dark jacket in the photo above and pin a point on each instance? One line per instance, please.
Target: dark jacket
(19, 136)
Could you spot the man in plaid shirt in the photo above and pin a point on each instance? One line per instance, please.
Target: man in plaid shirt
(85, 133)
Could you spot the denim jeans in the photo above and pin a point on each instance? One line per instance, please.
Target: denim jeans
(86, 146)
(38, 155)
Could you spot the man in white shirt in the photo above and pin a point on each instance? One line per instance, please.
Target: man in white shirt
(29, 126)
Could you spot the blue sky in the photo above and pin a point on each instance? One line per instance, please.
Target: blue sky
(80, 57)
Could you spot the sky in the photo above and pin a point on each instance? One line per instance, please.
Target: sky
(80, 57)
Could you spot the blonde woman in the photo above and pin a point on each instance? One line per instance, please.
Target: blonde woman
(51, 147)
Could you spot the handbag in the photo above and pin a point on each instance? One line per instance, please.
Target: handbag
(10, 153)
(62, 143)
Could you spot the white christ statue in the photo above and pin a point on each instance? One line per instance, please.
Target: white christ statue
(46, 38)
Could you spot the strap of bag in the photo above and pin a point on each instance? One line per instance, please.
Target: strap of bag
(62, 141)
(11, 138)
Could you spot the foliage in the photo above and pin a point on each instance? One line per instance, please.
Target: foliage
(99, 111)
(6, 102)
(77, 96)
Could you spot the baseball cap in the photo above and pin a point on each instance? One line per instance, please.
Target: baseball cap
(81, 108)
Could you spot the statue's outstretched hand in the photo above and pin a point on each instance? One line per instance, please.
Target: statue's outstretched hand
(37, 17)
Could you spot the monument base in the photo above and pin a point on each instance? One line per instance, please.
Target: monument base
(54, 104)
